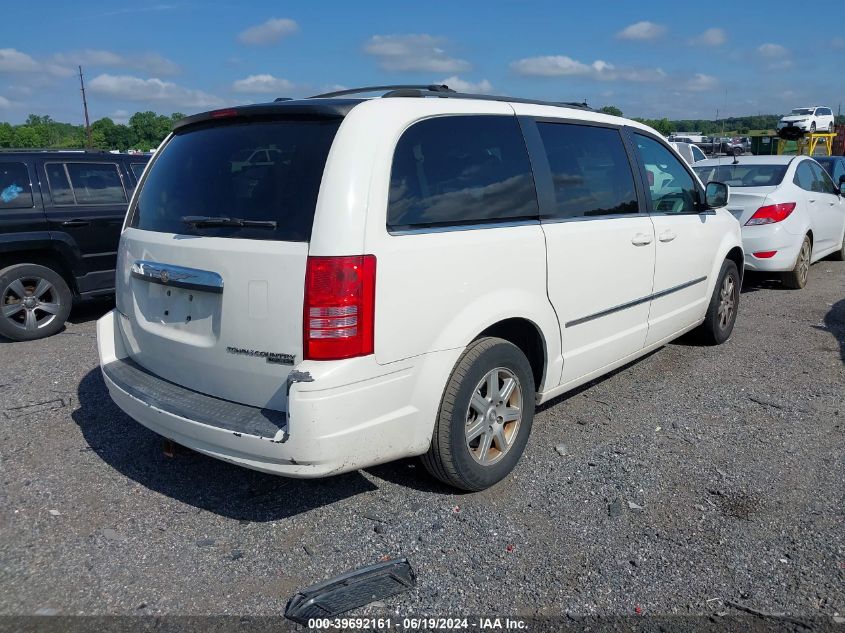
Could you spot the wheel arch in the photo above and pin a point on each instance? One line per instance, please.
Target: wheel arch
(41, 257)
(528, 337)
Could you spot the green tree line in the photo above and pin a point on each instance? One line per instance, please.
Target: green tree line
(741, 124)
(144, 131)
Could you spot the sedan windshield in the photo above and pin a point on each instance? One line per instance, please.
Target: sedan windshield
(742, 175)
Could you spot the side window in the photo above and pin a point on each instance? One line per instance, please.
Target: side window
(697, 154)
(60, 190)
(670, 185)
(804, 176)
(838, 171)
(821, 180)
(461, 170)
(15, 189)
(137, 169)
(96, 183)
(591, 173)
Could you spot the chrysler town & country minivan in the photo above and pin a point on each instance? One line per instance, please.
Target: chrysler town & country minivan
(407, 275)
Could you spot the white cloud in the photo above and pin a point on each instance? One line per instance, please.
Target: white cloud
(710, 37)
(265, 83)
(564, 66)
(268, 32)
(772, 51)
(456, 83)
(151, 63)
(120, 117)
(409, 53)
(641, 31)
(151, 90)
(4, 102)
(701, 83)
(14, 61)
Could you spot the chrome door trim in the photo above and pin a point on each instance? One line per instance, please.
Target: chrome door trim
(635, 302)
(177, 276)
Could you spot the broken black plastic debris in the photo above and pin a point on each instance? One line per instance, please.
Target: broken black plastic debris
(351, 590)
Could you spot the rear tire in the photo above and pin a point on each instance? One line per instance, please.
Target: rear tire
(839, 255)
(797, 277)
(35, 302)
(721, 313)
(481, 432)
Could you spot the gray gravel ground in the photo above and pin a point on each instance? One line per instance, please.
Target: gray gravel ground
(690, 479)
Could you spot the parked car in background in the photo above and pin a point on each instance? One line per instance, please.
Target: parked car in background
(791, 212)
(833, 165)
(61, 213)
(690, 153)
(402, 282)
(814, 119)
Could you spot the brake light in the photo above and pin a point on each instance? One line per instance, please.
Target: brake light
(222, 114)
(339, 308)
(771, 213)
(764, 254)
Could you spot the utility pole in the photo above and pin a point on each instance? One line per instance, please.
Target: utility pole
(89, 144)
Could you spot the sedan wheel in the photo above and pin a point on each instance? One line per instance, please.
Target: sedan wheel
(797, 277)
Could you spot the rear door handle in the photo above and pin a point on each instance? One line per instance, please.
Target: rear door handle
(75, 223)
(641, 239)
(667, 236)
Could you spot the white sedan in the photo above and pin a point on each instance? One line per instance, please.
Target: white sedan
(790, 211)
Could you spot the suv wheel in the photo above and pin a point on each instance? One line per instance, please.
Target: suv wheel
(797, 277)
(721, 313)
(34, 302)
(485, 416)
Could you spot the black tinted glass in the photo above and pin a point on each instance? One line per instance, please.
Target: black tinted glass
(95, 183)
(461, 170)
(216, 172)
(137, 169)
(60, 189)
(15, 192)
(590, 170)
(742, 175)
(804, 176)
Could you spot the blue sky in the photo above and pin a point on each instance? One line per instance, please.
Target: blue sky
(651, 59)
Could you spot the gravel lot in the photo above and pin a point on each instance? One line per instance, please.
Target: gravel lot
(692, 479)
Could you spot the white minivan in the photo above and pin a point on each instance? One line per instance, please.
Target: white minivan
(409, 276)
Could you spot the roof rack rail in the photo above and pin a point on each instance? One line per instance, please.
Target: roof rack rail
(434, 90)
(351, 91)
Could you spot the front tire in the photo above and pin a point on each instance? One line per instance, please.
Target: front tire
(797, 277)
(485, 416)
(721, 313)
(35, 302)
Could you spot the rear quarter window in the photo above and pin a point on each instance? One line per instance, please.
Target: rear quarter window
(267, 171)
(461, 170)
(15, 190)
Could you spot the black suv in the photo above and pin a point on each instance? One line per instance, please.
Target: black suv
(60, 218)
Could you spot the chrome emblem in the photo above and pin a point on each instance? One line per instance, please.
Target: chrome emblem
(164, 276)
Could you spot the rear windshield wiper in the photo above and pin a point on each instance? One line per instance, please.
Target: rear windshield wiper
(204, 221)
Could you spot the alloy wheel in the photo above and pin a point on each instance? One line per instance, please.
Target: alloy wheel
(727, 301)
(804, 262)
(30, 303)
(494, 416)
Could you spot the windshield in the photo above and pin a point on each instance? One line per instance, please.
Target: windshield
(268, 171)
(742, 175)
(802, 111)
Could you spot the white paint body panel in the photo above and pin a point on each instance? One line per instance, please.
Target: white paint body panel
(436, 291)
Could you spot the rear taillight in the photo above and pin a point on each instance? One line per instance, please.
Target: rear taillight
(771, 213)
(339, 311)
(765, 254)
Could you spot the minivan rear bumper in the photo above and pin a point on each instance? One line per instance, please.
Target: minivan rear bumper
(333, 425)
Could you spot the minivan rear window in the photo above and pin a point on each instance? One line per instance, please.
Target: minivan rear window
(267, 172)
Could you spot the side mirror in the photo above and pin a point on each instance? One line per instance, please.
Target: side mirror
(716, 195)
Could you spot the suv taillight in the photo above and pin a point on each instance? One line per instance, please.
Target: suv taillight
(339, 311)
(771, 213)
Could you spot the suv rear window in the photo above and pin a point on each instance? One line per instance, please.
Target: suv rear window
(459, 170)
(215, 172)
